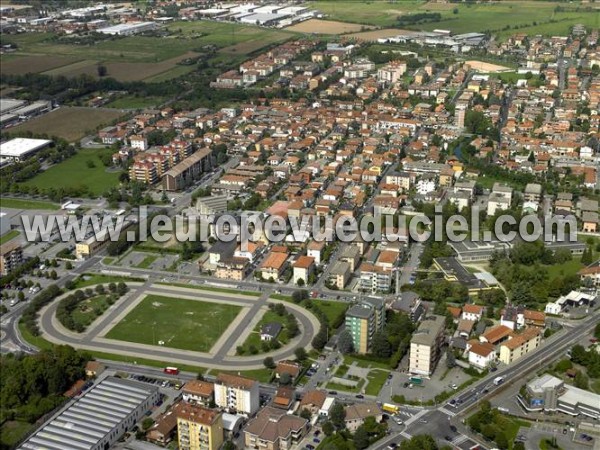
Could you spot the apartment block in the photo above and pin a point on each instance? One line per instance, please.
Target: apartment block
(363, 321)
(425, 345)
(199, 428)
(11, 257)
(273, 429)
(520, 345)
(237, 393)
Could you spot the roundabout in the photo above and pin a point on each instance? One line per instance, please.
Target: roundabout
(180, 325)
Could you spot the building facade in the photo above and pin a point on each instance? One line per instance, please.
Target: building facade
(426, 344)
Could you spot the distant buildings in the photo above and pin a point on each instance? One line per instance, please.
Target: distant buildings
(18, 149)
(363, 321)
(426, 344)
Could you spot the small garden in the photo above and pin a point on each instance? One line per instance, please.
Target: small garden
(77, 311)
(277, 314)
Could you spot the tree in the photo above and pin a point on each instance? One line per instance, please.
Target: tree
(419, 442)
(381, 346)
(102, 71)
(301, 354)
(581, 381)
(285, 379)
(228, 445)
(361, 438)
(597, 331)
(269, 363)
(300, 282)
(320, 339)
(337, 415)
(53, 274)
(121, 288)
(305, 414)
(345, 343)
(21, 296)
(328, 428)
(298, 296)
(68, 265)
(147, 423)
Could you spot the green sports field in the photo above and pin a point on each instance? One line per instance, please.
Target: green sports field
(179, 323)
(75, 173)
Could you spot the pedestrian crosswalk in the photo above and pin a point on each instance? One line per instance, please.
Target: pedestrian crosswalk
(416, 417)
(405, 413)
(406, 435)
(447, 412)
(459, 439)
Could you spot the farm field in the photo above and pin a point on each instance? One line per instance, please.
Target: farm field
(75, 173)
(484, 67)
(326, 27)
(527, 16)
(380, 13)
(135, 58)
(225, 35)
(123, 71)
(70, 123)
(184, 324)
(20, 65)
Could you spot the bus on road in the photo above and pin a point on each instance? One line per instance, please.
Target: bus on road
(390, 408)
(171, 370)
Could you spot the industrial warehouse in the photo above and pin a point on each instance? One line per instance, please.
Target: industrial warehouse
(97, 419)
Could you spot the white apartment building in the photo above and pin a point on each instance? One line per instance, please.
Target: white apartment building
(237, 393)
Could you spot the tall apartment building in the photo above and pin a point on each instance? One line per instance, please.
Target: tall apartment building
(363, 321)
(11, 257)
(237, 393)
(199, 428)
(426, 344)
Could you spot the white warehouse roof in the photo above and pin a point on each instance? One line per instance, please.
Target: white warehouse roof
(92, 417)
(20, 147)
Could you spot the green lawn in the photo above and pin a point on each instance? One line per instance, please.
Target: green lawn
(12, 432)
(331, 309)
(263, 375)
(254, 337)
(92, 279)
(377, 379)
(180, 323)
(27, 204)
(567, 268)
(41, 343)
(8, 236)
(365, 363)
(342, 387)
(147, 262)
(88, 310)
(83, 171)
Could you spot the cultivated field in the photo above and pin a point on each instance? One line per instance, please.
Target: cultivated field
(503, 18)
(76, 173)
(20, 65)
(184, 324)
(70, 123)
(123, 71)
(136, 58)
(326, 27)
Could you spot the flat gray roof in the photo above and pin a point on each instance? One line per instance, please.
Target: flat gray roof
(428, 330)
(86, 421)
